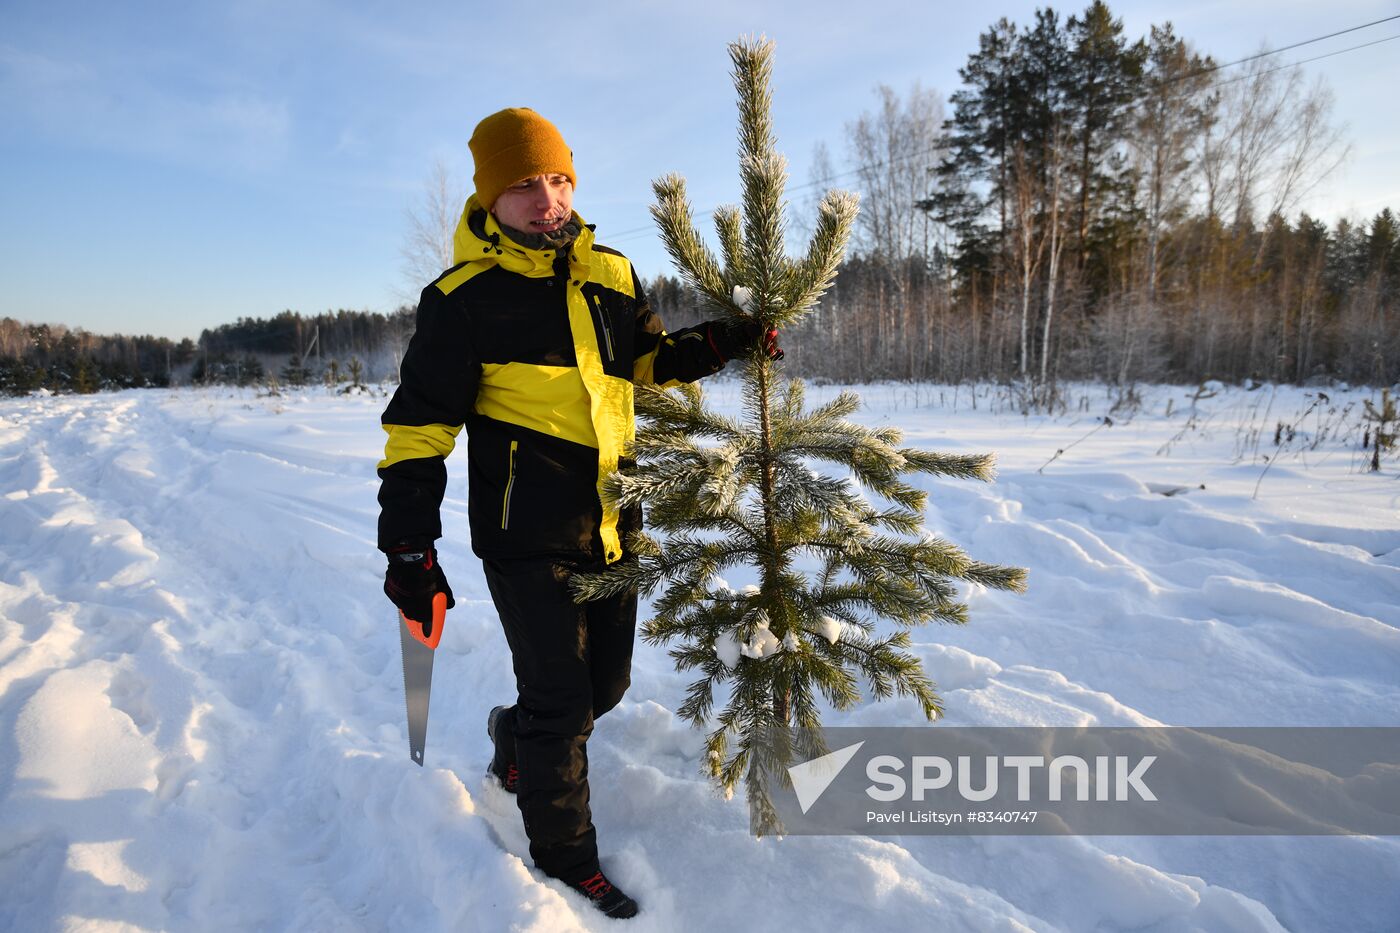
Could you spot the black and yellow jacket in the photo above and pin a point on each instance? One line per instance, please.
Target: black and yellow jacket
(535, 352)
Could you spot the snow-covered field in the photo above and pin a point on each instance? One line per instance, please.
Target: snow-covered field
(201, 709)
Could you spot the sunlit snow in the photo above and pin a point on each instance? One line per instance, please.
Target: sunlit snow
(201, 706)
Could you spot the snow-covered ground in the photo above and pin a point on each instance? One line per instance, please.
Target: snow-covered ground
(201, 709)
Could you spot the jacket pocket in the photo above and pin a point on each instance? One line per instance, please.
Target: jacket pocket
(510, 487)
(607, 343)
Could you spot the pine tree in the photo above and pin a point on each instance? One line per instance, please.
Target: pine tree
(84, 376)
(982, 134)
(738, 492)
(295, 372)
(1104, 80)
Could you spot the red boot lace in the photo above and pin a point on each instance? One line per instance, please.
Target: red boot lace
(596, 886)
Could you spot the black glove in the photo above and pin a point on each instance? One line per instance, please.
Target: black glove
(731, 339)
(413, 577)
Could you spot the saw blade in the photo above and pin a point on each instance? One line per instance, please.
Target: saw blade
(417, 684)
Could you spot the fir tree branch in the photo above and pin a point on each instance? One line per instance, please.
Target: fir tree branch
(692, 257)
(762, 174)
(681, 411)
(958, 466)
(700, 699)
(793, 398)
(996, 576)
(814, 274)
(622, 577)
(836, 683)
(898, 519)
(731, 240)
(763, 178)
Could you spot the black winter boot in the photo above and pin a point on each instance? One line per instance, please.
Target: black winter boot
(502, 766)
(605, 896)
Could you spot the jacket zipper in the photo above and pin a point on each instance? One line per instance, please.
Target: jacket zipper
(510, 483)
(603, 323)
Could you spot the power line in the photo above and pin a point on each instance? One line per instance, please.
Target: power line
(1330, 35)
(637, 231)
(1315, 58)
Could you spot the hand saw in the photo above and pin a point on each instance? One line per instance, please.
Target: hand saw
(419, 641)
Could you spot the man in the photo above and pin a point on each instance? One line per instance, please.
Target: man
(533, 341)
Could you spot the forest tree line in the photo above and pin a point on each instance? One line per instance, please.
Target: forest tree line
(287, 349)
(1094, 206)
(60, 359)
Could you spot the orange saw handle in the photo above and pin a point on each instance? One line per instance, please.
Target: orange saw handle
(433, 635)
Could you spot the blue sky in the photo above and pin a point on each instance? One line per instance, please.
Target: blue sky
(166, 167)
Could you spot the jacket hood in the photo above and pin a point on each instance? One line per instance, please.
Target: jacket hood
(479, 238)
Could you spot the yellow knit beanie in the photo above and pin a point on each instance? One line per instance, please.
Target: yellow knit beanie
(512, 144)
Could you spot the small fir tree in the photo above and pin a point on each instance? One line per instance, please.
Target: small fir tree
(295, 372)
(249, 371)
(725, 493)
(85, 376)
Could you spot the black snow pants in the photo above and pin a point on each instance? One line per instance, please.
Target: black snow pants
(572, 664)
